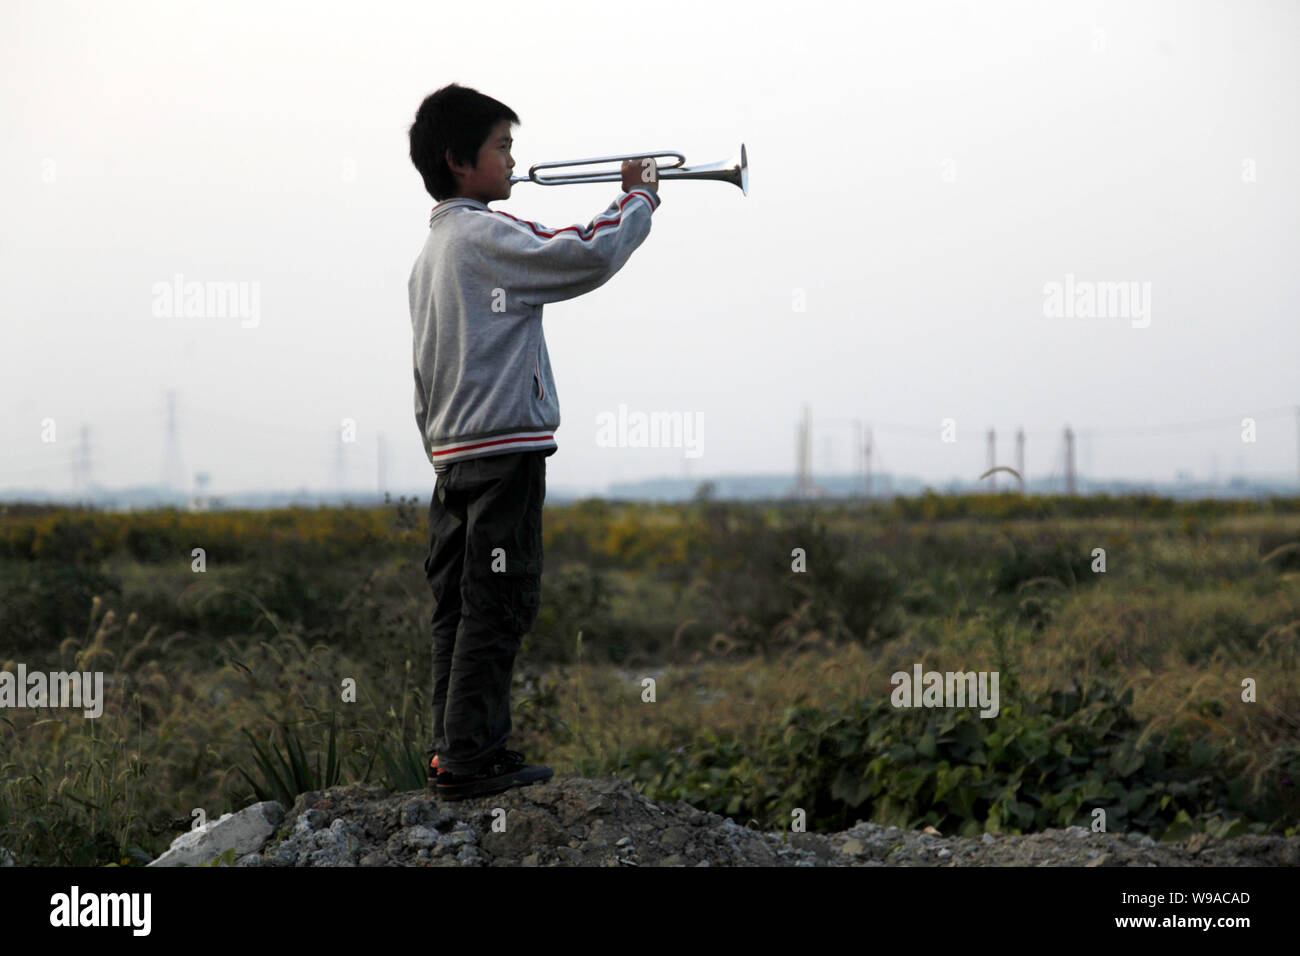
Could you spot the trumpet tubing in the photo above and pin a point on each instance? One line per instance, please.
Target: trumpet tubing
(734, 170)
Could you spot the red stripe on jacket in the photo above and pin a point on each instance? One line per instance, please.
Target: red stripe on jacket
(489, 444)
(549, 234)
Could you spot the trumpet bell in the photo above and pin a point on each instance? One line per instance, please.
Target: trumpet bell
(734, 171)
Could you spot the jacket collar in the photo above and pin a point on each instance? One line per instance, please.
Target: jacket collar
(455, 203)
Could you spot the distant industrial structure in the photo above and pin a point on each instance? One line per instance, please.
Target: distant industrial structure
(866, 454)
(867, 476)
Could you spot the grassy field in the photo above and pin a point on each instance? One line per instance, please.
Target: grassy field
(1121, 690)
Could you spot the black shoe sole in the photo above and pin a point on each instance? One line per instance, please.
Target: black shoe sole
(524, 777)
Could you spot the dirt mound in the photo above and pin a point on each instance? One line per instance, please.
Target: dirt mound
(576, 821)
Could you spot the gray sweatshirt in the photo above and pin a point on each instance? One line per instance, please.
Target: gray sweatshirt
(483, 383)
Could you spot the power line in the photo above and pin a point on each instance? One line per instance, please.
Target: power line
(1067, 452)
(1047, 431)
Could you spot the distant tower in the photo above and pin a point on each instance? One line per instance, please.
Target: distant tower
(1069, 460)
(381, 454)
(860, 455)
(866, 455)
(992, 458)
(804, 487)
(803, 456)
(1020, 457)
(173, 473)
(201, 501)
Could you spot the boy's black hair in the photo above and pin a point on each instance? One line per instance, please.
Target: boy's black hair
(454, 118)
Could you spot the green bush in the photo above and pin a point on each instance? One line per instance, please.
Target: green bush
(41, 604)
(1047, 762)
(863, 588)
(1066, 562)
(1280, 551)
(284, 769)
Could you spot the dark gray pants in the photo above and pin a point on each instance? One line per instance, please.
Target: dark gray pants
(485, 570)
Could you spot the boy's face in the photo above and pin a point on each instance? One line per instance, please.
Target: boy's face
(490, 178)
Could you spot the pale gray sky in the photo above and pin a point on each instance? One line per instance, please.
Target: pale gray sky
(920, 172)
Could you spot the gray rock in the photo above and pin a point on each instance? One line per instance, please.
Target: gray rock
(308, 821)
(813, 842)
(282, 855)
(527, 829)
(245, 832)
(553, 826)
(471, 855)
(419, 813)
(417, 837)
(461, 834)
(339, 844)
(674, 838)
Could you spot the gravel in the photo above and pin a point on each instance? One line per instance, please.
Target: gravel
(576, 821)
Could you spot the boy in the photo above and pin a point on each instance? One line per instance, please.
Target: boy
(487, 410)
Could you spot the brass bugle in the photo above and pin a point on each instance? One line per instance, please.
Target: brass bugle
(734, 170)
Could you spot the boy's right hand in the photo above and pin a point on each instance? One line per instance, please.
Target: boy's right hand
(640, 172)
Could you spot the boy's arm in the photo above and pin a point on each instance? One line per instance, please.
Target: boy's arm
(538, 265)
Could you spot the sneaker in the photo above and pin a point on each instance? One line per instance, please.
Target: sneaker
(507, 770)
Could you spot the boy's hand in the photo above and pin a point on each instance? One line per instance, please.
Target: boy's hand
(640, 172)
